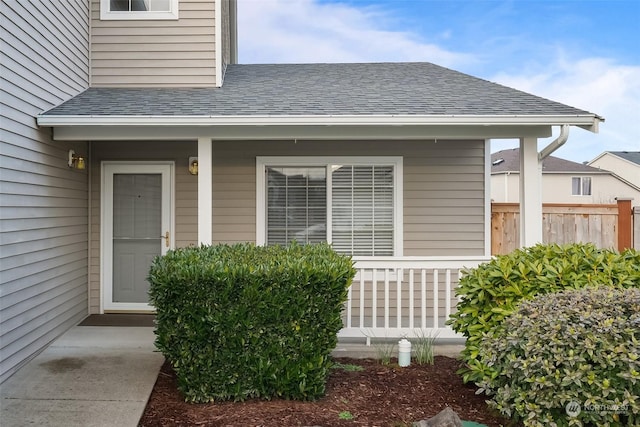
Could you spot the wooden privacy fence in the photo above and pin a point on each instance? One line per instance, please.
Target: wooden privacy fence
(606, 226)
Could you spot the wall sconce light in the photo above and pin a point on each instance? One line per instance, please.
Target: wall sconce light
(193, 165)
(76, 162)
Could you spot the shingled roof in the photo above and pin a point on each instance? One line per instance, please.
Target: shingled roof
(631, 156)
(412, 89)
(509, 161)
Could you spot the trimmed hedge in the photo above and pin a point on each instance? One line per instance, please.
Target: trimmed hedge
(493, 290)
(242, 321)
(579, 347)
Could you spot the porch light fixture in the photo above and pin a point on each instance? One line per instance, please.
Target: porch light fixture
(193, 165)
(76, 162)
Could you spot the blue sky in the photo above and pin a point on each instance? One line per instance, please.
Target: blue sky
(584, 53)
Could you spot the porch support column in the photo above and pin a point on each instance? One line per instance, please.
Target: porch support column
(530, 193)
(205, 191)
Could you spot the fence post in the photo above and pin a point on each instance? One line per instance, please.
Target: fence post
(636, 227)
(624, 223)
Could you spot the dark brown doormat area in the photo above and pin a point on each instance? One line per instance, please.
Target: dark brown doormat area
(120, 319)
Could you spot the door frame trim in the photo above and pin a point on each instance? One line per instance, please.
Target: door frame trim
(106, 228)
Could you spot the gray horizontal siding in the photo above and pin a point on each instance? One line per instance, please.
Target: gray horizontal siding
(225, 27)
(44, 227)
(155, 53)
(443, 190)
(444, 201)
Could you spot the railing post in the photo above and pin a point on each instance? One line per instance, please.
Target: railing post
(624, 223)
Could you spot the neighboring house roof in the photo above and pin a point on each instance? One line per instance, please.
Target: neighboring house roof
(509, 161)
(630, 156)
(374, 90)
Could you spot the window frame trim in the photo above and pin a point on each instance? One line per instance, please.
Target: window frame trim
(581, 186)
(262, 162)
(107, 15)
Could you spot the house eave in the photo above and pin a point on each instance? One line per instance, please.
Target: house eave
(589, 122)
(545, 172)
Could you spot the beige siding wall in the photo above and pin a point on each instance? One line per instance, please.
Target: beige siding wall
(43, 232)
(226, 39)
(621, 167)
(443, 190)
(556, 188)
(155, 53)
(444, 199)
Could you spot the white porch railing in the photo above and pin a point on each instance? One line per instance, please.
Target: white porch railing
(403, 297)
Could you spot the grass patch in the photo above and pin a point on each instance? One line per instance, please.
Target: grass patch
(349, 367)
(423, 348)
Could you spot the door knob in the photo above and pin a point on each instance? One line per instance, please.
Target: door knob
(166, 239)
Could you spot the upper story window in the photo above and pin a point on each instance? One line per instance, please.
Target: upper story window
(581, 186)
(353, 203)
(138, 9)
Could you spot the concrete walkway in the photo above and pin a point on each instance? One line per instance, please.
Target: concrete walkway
(103, 376)
(90, 376)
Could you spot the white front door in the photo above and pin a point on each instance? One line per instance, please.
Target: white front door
(137, 218)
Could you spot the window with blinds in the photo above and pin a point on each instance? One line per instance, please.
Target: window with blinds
(357, 200)
(296, 205)
(362, 209)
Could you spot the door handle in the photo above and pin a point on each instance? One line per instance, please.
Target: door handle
(166, 239)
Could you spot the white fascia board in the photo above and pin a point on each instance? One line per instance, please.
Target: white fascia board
(589, 122)
(239, 132)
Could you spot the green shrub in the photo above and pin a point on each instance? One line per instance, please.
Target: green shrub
(493, 290)
(580, 346)
(242, 321)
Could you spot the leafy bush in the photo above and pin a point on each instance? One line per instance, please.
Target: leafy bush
(493, 290)
(580, 346)
(242, 321)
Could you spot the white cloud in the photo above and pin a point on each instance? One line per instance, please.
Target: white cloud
(598, 85)
(303, 31)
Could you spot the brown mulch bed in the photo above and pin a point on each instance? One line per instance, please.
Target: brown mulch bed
(380, 395)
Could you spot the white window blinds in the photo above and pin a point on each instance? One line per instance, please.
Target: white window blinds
(296, 205)
(357, 200)
(362, 210)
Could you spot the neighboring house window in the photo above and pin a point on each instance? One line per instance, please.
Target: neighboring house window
(361, 199)
(581, 186)
(138, 9)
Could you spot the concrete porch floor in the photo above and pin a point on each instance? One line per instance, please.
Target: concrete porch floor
(90, 376)
(103, 376)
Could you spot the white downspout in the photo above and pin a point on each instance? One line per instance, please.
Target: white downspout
(555, 144)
